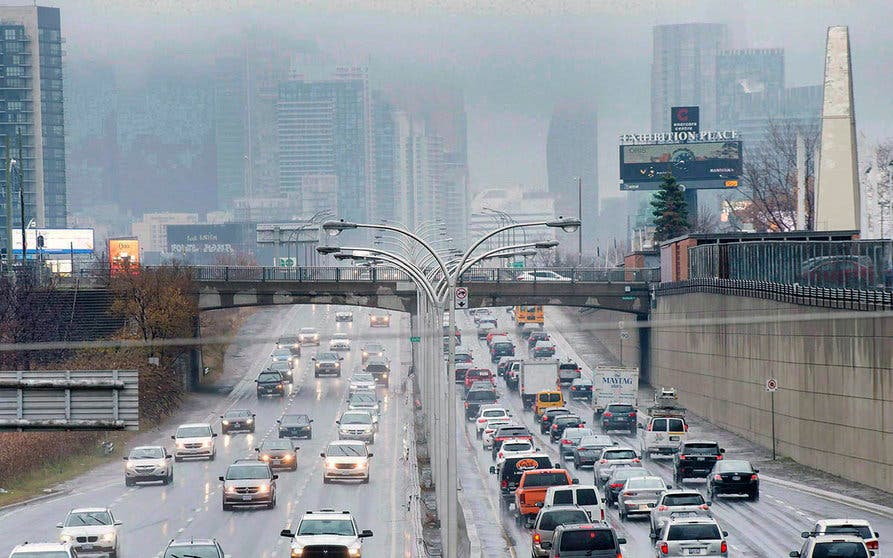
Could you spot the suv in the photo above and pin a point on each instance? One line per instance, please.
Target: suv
(148, 463)
(285, 370)
(344, 316)
(568, 371)
(380, 368)
(248, 482)
(361, 381)
(90, 530)
(505, 432)
(696, 458)
(570, 438)
(372, 350)
(543, 349)
(206, 548)
(288, 342)
(295, 426)
(501, 348)
(612, 457)
(536, 336)
(44, 550)
(326, 532)
(857, 527)
(346, 459)
(365, 401)
(619, 416)
(851, 546)
(238, 420)
(699, 536)
(270, 382)
(592, 540)
(674, 504)
(308, 336)
(550, 414)
(379, 318)
(581, 388)
(194, 440)
(326, 363)
(548, 519)
(478, 397)
(473, 375)
(356, 425)
(561, 422)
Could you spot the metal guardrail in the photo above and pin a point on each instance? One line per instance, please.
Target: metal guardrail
(842, 299)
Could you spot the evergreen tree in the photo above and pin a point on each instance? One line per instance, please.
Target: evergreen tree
(670, 211)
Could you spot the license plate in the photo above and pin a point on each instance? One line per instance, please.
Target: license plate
(693, 551)
(736, 477)
(246, 497)
(87, 547)
(674, 438)
(700, 459)
(277, 461)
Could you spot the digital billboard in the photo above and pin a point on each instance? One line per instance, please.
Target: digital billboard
(184, 240)
(715, 164)
(55, 241)
(124, 253)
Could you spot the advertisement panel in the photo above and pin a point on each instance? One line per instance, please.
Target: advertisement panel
(685, 119)
(55, 241)
(187, 240)
(696, 165)
(124, 253)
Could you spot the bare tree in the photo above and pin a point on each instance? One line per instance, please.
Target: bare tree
(705, 221)
(877, 189)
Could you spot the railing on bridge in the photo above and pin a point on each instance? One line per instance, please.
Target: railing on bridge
(858, 264)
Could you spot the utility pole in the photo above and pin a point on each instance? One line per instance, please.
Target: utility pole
(580, 213)
(8, 177)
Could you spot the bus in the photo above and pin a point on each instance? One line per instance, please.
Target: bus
(527, 315)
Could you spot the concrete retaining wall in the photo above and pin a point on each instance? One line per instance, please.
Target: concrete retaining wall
(834, 407)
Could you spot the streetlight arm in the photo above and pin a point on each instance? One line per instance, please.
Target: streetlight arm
(496, 252)
(406, 267)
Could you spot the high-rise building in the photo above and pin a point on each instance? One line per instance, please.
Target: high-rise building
(740, 76)
(230, 130)
(384, 198)
(572, 154)
(683, 70)
(31, 108)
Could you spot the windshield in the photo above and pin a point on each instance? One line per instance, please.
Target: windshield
(481, 396)
(619, 454)
(363, 377)
(621, 409)
(242, 472)
(645, 484)
(342, 527)
(373, 349)
(839, 550)
(701, 449)
(147, 453)
(237, 414)
(734, 466)
(494, 413)
(326, 356)
(621, 474)
(517, 446)
(593, 442)
(310, 330)
(282, 353)
(269, 377)
(192, 551)
(859, 530)
(345, 450)
(79, 519)
(293, 419)
(194, 432)
(694, 532)
(549, 521)
(276, 445)
(583, 540)
(356, 418)
(546, 479)
(683, 500)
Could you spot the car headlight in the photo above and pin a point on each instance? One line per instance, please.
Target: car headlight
(354, 550)
(329, 464)
(226, 422)
(181, 445)
(363, 464)
(264, 488)
(108, 537)
(230, 490)
(297, 551)
(287, 457)
(206, 444)
(265, 457)
(66, 538)
(385, 375)
(249, 421)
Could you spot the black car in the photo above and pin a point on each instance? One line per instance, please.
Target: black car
(238, 420)
(695, 458)
(380, 368)
(549, 414)
(295, 426)
(287, 342)
(734, 476)
(279, 454)
(500, 349)
(476, 398)
(508, 474)
(536, 336)
(581, 388)
(460, 371)
(561, 422)
(327, 363)
(619, 416)
(270, 382)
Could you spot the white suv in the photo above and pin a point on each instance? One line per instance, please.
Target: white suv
(194, 440)
(43, 550)
(488, 413)
(356, 425)
(90, 530)
(346, 459)
(326, 528)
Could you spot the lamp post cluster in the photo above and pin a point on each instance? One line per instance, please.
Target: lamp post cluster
(436, 274)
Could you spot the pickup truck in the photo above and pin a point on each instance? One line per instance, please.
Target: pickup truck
(473, 375)
(532, 491)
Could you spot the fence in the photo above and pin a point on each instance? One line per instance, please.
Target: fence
(858, 265)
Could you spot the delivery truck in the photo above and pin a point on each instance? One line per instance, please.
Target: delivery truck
(537, 374)
(614, 385)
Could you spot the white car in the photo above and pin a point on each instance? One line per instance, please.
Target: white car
(490, 429)
(362, 381)
(486, 414)
(327, 528)
(43, 550)
(514, 447)
(543, 275)
(356, 425)
(339, 342)
(90, 531)
(857, 527)
(346, 459)
(344, 316)
(308, 336)
(194, 440)
(148, 463)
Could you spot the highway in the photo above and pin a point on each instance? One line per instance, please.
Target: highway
(153, 514)
(770, 527)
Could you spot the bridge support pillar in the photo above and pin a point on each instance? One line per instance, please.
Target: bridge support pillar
(644, 349)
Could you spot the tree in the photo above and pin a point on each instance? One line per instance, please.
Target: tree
(30, 312)
(670, 210)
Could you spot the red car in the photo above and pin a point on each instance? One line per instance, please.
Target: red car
(473, 375)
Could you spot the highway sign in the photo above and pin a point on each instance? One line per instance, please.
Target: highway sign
(415, 339)
(518, 265)
(624, 334)
(461, 298)
(771, 385)
(285, 262)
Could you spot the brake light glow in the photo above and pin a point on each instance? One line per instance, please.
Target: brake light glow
(521, 498)
(872, 545)
(664, 548)
(607, 414)
(703, 507)
(717, 477)
(466, 404)
(566, 442)
(724, 547)
(681, 458)
(602, 460)
(504, 484)
(536, 538)
(662, 508)
(636, 460)
(617, 485)
(632, 414)
(754, 477)
(719, 457)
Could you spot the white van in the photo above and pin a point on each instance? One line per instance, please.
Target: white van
(584, 495)
(663, 435)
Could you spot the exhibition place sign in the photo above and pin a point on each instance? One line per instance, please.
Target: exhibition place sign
(677, 137)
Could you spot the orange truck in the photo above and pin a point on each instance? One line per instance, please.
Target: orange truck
(531, 491)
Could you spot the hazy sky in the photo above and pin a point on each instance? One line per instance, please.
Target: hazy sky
(514, 59)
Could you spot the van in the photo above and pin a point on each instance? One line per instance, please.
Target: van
(583, 495)
(663, 435)
(546, 400)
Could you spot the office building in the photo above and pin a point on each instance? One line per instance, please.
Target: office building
(384, 199)
(740, 76)
(31, 108)
(151, 231)
(496, 207)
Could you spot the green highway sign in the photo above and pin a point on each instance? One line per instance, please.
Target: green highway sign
(415, 339)
(518, 265)
(285, 262)
(628, 298)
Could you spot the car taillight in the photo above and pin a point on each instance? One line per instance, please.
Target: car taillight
(602, 460)
(607, 414)
(628, 494)
(704, 507)
(719, 457)
(619, 555)
(573, 388)
(481, 421)
(466, 404)
(521, 498)
(754, 477)
(664, 548)
(504, 484)
(545, 418)
(649, 427)
(566, 442)
(681, 458)
(554, 427)
(686, 428)
(536, 538)
(872, 545)
(617, 485)
(632, 415)
(636, 460)
(717, 477)
(662, 508)
(724, 547)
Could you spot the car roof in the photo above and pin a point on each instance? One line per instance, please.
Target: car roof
(193, 424)
(695, 521)
(346, 443)
(356, 412)
(834, 522)
(88, 510)
(377, 360)
(691, 442)
(328, 514)
(585, 526)
(41, 546)
(146, 447)
(517, 441)
(839, 538)
(681, 492)
(622, 448)
(561, 507)
(192, 541)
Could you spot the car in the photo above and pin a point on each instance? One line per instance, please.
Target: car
(543, 275)
(856, 527)
(618, 477)
(511, 374)
(308, 336)
(278, 453)
(492, 426)
(548, 519)
(589, 540)
(581, 389)
(569, 440)
(43, 550)
(619, 416)
(531, 491)
(489, 413)
(356, 425)
(478, 397)
(339, 342)
(536, 336)
(694, 536)
(549, 414)
(589, 449)
(696, 458)
(295, 426)
(282, 355)
(380, 368)
(504, 364)
(497, 335)
(849, 546)
(90, 531)
(148, 463)
(372, 350)
(514, 447)
(479, 314)
(561, 422)
(344, 316)
(473, 375)
(270, 382)
(346, 459)
(205, 548)
(285, 370)
(484, 328)
(461, 370)
(288, 342)
(674, 504)
(238, 420)
(365, 402)
(361, 381)
(248, 483)
(462, 354)
(568, 371)
(733, 476)
(582, 495)
(501, 347)
(612, 457)
(543, 349)
(639, 496)
(327, 363)
(508, 474)
(194, 440)
(379, 318)
(326, 532)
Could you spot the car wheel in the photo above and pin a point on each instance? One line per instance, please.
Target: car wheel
(272, 505)
(479, 435)
(213, 455)
(128, 482)
(622, 515)
(755, 495)
(227, 507)
(366, 480)
(576, 464)
(325, 480)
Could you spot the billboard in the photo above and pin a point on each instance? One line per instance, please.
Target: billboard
(186, 240)
(123, 253)
(685, 119)
(715, 164)
(55, 241)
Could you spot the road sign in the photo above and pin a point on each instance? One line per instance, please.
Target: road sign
(415, 339)
(285, 262)
(620, 324)
(624, 334)
(771, 385)
(461, 298)
(518, 265)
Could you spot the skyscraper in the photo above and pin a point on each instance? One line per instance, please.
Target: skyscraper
(742, 74)
(31, 105)
(572, 153)
(683, 70)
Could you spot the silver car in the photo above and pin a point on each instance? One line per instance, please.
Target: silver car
(692, 537)
(148, 463)
(676, 504)
(610, 458)
(639, 496)
(548, 519)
